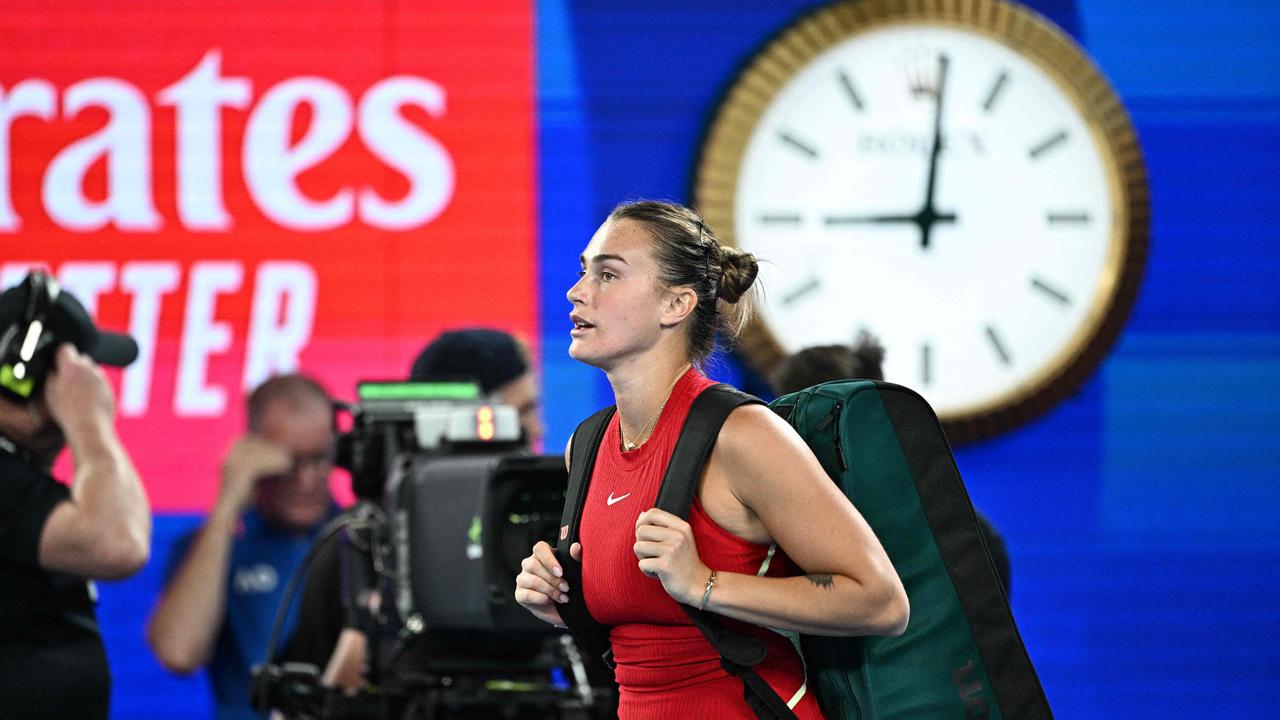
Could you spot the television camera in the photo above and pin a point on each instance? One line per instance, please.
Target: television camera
(450, 502)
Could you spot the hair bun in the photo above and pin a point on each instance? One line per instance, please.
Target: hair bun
(738, 270)
(869, 351)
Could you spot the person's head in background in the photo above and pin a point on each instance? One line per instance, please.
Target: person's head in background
(295, 413)
(864, 359)
(493, 358)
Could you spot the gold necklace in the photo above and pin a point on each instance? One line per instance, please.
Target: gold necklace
(627, 445)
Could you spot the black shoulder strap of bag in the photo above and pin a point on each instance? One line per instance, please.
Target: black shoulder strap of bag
(701, 428)
(582, 463)
(738, 653)
(592, 637)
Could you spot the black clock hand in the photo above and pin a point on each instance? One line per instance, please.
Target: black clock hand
(878, 219)
(924, 218)
(928, 214)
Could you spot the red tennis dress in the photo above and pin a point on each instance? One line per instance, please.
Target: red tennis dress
(665, 667)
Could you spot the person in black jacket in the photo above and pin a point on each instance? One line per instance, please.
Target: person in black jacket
(54, 539)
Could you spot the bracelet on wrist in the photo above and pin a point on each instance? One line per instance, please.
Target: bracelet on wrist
(706, 594)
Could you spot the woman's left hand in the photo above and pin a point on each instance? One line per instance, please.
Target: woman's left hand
(665, 547)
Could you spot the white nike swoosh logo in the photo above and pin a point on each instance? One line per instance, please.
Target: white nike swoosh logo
(618, 499)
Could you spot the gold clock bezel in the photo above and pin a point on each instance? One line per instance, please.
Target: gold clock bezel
(1025, 32)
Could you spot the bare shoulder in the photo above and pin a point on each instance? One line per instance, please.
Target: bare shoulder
(770, 470)
(754, 432)
(759, 451)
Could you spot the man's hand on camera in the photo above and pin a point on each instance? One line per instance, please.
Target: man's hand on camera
(540, 586)
(249, 460)
(77, 393)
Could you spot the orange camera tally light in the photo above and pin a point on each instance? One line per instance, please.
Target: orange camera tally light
(484, 423)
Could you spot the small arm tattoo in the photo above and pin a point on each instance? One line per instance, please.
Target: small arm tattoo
(822, 581)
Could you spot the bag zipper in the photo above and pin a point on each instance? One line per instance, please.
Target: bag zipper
(834, 417)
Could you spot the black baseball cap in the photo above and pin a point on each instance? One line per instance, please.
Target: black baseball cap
(66, 321)
(492, 357)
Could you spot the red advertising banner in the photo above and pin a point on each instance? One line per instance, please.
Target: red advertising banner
(251, 188)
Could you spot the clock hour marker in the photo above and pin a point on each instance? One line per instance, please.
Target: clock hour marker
(999, 346)
(1050, 291)
(1068, 218)
(1052, 142)
(926, 363)
(798, 145)
(809, 286)
(847, 83)
(990, 102)
(780, 219)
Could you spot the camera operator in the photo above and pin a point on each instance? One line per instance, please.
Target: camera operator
(52, 393)
(219, 604)
(330, 632)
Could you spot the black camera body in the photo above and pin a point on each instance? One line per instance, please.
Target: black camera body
(463, 500)
(395, 422)
(461, 525)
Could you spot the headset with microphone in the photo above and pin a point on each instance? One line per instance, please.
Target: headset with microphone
(27, 345)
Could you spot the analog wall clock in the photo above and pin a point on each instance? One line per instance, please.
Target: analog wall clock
(956, 177)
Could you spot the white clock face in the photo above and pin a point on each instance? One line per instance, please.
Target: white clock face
(978, 285)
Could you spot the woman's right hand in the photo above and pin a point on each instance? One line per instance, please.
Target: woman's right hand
(541, 585)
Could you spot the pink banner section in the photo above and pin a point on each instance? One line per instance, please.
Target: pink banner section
(251, 190)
